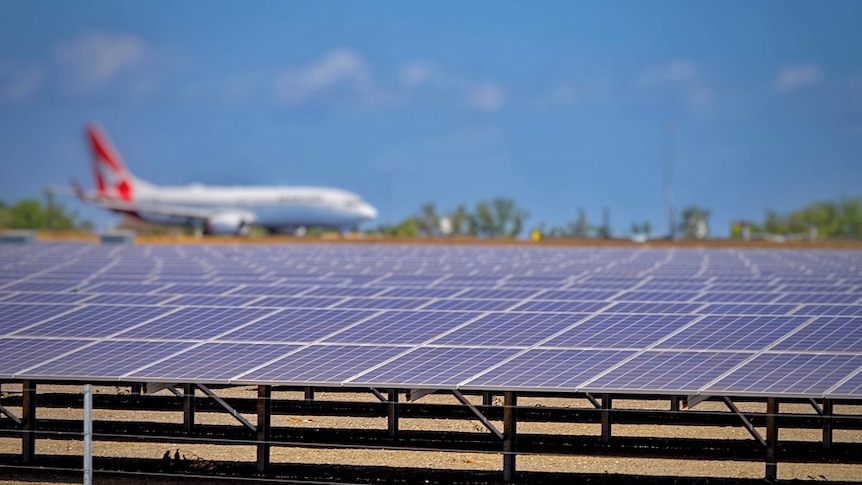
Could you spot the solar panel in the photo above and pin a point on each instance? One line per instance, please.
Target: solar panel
(658, 296)
(18, 354)
(420, 293)
(826, 334)
(213, 362)
(471, 304)
(196, 289)
(560, 306)
(44, 286)
(46, 298)
(127, 299)
(383, 303)
(634, 320)
(844, 298)
(402, 327)
(658, 308)
(829, 310)
(267, 290)
(209, 300)
(322, 364)
(510, 329)
(748, 309)
(788, 374)
(542, 369)
(666, 372)
(737, 297)
(298, 325)
(133, 288)
(196, 323)
(16, 317)
(621, 331)
(434, 367)
(733, 333)
(105, 360)
(94, 321)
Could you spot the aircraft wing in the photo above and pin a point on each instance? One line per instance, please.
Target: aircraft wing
(191, 213)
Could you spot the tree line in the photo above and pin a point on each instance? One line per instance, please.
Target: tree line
(841, 219)
(502, 217)
(31, 213)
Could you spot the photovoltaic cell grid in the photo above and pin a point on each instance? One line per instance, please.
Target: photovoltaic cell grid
(628, 320)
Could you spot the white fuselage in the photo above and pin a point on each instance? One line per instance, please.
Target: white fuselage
(272, 207)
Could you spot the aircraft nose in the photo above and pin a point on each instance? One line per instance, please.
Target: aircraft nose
(369, 212)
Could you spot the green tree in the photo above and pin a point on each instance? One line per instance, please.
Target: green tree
(428, 220)
(831, 219)
(27, 214)
(5, 215)
(460, 219)
(580, 227)
(30, 213)
(407, 228)
(482, 221)
(695, 222)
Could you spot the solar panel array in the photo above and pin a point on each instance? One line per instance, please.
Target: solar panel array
(604, 320)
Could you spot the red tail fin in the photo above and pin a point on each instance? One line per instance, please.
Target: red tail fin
(113, 181)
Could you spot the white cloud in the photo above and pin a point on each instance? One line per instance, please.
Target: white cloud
(20, 82)
(676, 72)
(488, 96)
(416, 73)
(336, 69)
(93, 59)
(699, 95)
(678, 79)
(793, 78)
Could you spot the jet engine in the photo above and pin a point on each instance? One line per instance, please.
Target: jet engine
(232, 222)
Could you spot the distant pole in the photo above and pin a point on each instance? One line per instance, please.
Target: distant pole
(668, 179)
(606, 221)
(88, 434)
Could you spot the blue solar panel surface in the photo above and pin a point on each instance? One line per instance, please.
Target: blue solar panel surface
(624, 320)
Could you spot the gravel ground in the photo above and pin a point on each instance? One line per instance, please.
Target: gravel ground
(465, 462)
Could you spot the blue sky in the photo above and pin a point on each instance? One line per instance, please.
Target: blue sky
(557, 105)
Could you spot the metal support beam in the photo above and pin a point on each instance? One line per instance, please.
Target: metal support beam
(264, 427)
(487, 398)
(596, 404)
(510, 434)
(154, 387)
(88, 434)
(607, 405)
(189, 408)
(379, 395)
(828, 408)
(136, 388)
(394, 412)
(28, 421)
(674, 403)
(771, 439)
(417, 394)
(745, 422)
(693, 401)
(233, 412)
(9, 414)
(817, 408)
(309, 393)
(485, 421)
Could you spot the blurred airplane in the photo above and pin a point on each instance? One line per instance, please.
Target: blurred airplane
(218, 209)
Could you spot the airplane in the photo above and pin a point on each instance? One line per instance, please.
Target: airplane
(218, 209)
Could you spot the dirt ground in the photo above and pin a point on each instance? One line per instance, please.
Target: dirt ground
(434, 466)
